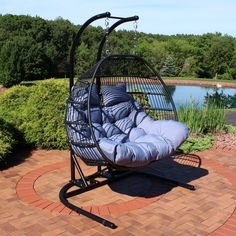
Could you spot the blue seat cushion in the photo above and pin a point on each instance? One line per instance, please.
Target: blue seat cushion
(142, 146)
(134, 139)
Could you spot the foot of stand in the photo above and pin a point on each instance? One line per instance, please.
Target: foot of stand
(171, 181)
(79, 210)
(65, 194)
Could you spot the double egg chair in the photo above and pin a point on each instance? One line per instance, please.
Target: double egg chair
(119, 117)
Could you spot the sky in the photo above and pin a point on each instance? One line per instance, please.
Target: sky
(155, 16)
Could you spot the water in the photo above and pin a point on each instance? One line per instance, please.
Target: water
(184, 94)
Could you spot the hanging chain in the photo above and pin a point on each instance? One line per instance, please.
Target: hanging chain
(106, 32)
(135, 36)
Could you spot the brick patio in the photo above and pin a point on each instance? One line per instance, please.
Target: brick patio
(139, 205)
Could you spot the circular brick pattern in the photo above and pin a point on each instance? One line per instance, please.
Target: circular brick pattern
(37, 183)
(39, 188)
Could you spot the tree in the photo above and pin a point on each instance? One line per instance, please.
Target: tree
(219, 56)
(232, 67)
(21, 58)
(168, 68)
(153, 51)
(34, 48)
(57, 49)
(36, 63)
(11, 64)
(84, 59)
(189, 68)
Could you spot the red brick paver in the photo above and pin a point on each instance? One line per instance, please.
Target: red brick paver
(139, 205)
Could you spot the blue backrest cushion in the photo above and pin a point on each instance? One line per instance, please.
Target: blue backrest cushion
(113, 95)
(80, 94)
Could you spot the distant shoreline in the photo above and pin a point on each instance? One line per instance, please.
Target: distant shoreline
(199, 83)
(184, 82)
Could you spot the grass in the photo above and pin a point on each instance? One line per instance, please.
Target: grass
(32, 82)
(203, 123)
(230, 110)
(230, 128)
(204, 120)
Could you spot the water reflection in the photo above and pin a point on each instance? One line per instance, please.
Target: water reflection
(183, 94)
(221, 100)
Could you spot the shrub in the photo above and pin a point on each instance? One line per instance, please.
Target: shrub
(221, 100)
(197, 143)
(7, 140)
(12, 103)
(37, 112)
(44, 115)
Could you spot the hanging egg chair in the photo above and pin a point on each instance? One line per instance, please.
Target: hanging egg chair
(120, 116)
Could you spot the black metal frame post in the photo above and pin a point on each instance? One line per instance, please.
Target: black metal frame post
(109, 175)
(76, 42)
(71, 59)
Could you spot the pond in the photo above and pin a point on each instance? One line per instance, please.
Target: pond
(183, 94)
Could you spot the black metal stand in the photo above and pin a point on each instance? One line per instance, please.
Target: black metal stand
(109, 175)
(91, 182)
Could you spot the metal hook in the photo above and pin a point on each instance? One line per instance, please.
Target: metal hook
(106, 33)
(107, 23)
(135, 25)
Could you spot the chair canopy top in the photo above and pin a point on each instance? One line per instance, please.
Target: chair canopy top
(121, 66)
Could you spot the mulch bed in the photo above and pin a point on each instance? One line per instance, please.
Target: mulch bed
(225, 141)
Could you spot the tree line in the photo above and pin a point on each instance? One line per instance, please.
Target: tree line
(33, 48)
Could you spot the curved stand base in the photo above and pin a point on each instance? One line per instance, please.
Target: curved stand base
(110, 176)
(63, 198)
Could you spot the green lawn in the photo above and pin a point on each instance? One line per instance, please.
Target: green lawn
(230, 110)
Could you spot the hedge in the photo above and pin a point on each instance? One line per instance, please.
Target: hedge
(37, 112)
(7, 140)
